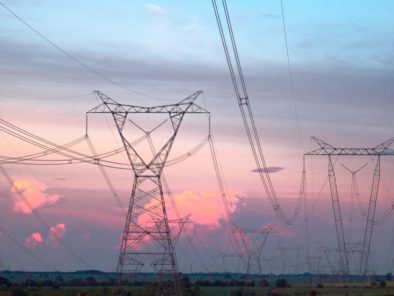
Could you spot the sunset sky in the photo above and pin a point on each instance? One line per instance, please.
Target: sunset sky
(341, 55)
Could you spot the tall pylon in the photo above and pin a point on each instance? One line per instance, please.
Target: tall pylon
(253, 241)
(378, 151)
(147, 241)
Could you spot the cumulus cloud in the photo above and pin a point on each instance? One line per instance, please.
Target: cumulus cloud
(269, 170)
(34, 239)
(34, 196)
(195, 204)
(57, 231)
(154, 8)
(54, 232)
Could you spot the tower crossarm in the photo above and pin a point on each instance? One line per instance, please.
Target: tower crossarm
(386, 144)
(109, 105)
(326, 149)
(120, 114)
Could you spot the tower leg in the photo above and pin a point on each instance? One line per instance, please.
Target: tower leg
(147, 239)
(344, 262)
(370, 220)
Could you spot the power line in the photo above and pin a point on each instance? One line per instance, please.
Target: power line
(19, 245)
(54, 148)
(45, 98)
(291, 80)
(241, 93)
(75, 59)
(106, 177)
(40, 218)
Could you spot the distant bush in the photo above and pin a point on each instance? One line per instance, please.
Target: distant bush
(18, 291)
(282, 283)
(264, 283)
(320, 286)
(382, 284)
(243, 292)
(5, 282)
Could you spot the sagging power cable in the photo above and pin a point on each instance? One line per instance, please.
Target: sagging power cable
(27, 251)
(241, 93)
(74, 58)
(40, 219)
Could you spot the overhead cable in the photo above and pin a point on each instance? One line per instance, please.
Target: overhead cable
(240, 89)
(74, 58)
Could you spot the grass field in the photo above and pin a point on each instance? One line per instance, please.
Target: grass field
(91, 283)
(342, 289)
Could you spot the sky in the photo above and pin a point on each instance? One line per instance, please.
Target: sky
(153, 53)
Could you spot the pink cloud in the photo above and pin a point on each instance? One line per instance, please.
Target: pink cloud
(204, 207)
(34, 196)
(33, 239)
(56, 232)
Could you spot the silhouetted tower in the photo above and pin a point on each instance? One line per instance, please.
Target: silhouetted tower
(147, 241)
(377, 151)
(289, 258)
(253, 242)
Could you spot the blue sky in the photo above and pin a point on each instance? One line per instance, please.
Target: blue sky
(341, 55)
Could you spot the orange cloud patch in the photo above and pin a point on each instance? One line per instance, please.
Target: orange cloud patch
(33, 196)
(204, 207)
(33, 239)
(55, 233)
(58, 230)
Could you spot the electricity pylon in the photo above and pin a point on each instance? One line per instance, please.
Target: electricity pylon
(147, 239)
(290, 264)
(377, 151)
(253, 241)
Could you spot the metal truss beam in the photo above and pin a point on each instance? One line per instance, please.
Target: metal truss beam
(327, 149)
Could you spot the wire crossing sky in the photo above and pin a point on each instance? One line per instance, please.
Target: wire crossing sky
(311, 68)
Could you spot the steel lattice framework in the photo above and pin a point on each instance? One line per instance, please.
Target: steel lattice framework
(147, 221)
(253, 243)
(330, 151)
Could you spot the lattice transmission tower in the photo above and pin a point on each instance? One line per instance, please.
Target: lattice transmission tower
(331, 151)
(147, 241)
(253, 241)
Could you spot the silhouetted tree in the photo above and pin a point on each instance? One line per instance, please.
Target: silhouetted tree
(185, 282)
(264, 283)
(282, 283)
(91, 281)
(5, 282)
(18, 291)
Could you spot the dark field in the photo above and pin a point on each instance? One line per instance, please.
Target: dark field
(94, 283)
(332, 290)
